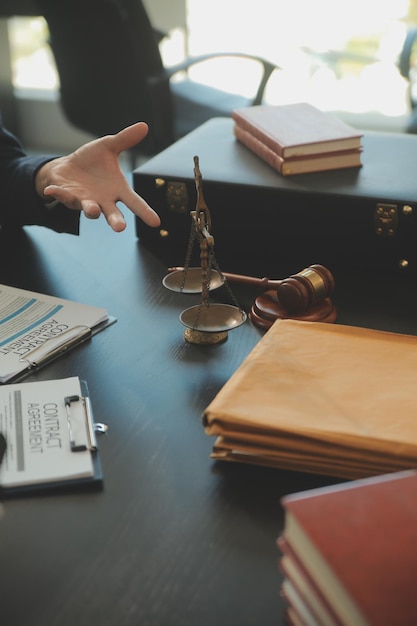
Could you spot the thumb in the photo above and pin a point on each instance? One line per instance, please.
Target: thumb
(128, 137)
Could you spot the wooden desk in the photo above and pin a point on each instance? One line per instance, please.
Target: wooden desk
(174, 539)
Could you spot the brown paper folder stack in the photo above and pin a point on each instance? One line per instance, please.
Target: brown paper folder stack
(321, 398)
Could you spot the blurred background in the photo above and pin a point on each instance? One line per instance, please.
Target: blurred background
(340, 56)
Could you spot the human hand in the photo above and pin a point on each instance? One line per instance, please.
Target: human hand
(90, 179)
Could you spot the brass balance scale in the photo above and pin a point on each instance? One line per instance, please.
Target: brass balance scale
(207, 322)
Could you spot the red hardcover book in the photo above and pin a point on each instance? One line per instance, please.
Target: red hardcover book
(299, 129)
(358, 543)
(298, 165)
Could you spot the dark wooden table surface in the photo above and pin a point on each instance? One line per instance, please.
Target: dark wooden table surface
(173, 539)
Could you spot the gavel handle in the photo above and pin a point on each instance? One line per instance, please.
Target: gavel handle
(242, 279)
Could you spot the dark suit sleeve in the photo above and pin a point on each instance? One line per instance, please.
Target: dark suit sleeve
(19, 203)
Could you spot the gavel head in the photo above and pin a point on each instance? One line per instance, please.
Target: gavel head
(300, 291)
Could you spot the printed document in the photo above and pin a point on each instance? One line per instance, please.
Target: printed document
(34, 326)
(41, 431)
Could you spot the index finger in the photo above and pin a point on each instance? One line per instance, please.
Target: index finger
(141, 208)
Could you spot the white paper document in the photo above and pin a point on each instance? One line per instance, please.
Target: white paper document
(34, 327)
(47, 433)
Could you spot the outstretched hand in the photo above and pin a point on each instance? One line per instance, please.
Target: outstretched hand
(90, 179)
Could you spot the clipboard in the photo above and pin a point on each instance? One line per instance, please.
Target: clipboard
(53, 348)
(75, 405)
(36, 328)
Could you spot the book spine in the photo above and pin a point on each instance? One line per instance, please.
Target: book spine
(258, 133)
(259, 148)
(304, 582)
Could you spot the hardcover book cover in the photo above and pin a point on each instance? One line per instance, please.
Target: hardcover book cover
(298, 165)
(358, 543)
(299, 129)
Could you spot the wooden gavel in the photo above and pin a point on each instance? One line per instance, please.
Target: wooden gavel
(298, 292)
(304, 295)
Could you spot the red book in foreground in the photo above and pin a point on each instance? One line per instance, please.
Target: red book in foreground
(298, 165)
(357, 542)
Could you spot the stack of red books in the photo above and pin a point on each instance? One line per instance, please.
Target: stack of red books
(298, 138)
(349, 553)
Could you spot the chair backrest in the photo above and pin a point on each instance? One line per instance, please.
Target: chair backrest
(106, 53)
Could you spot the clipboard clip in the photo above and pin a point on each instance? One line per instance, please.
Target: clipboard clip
(92, 427)
(55, 346)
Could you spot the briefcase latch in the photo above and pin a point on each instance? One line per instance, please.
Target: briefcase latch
(386, 219)
(177, 197)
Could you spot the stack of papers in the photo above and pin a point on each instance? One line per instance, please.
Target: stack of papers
(321, 398)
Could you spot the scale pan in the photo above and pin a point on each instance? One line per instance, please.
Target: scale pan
(214, 318)
(193, 279)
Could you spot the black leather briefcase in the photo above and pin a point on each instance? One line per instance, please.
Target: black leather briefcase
(267, 224)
